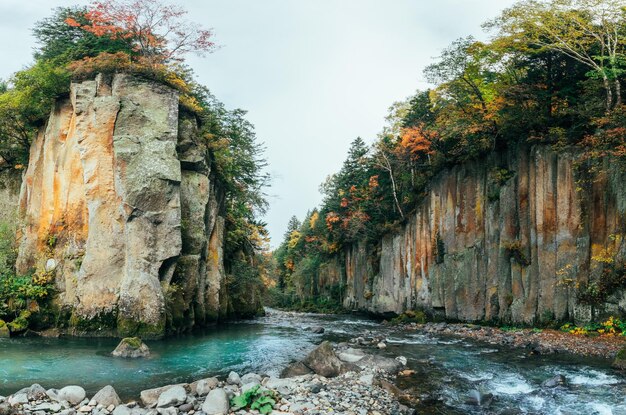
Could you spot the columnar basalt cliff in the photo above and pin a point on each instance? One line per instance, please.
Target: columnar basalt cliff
(508, 238)
(120, 204)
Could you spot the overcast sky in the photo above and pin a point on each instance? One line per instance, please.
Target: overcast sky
(312, 74)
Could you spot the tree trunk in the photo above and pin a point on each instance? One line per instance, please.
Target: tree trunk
(618, 93)
(395, 194)
(609, 93)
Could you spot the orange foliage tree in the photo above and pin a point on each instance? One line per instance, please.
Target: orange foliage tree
(157, 31)
(418, 142)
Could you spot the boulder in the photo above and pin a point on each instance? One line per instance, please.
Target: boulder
(247, 386)
(233, 379)
(379, 363)
(107, 396)
(620, 360)
(131, 347)
(174, 396)
(323, 361)
(36, 392)
(122, 410)
(18, 398)
(186, 407)
(317, 330)
(251, 377)
(553, 382)
(216, 402)
(203, 386)
(351, 355)
(72, 394)
(149, 397)
(295, 369)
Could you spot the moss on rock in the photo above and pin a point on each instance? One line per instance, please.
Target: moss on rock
(104, 322)
(20, 324)
(131, 328)
(4, 330)
(131, 347)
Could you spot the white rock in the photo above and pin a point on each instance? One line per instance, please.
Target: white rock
(48, 407)
(149, 397)
(381, 345)
(204, 386)
(403, 361)
(72, 394)
(122, 410)
(351, 355)
(18, 398)
(251, 377)
(106, 397)
(175, 395)
(216, 402)
(233, 379)
(51, 265)
(247, 386)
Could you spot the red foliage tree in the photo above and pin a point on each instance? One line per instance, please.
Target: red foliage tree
(157, 31)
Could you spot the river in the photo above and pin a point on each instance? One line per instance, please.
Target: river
(449, 370)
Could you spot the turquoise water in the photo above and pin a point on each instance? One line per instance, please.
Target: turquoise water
(256, 346)
(448, 369)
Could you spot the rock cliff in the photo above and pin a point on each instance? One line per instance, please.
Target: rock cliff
(120, 206)
(509, 238)
(9, 193)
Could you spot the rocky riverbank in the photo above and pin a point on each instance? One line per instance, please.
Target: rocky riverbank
(534, 340)
(332, 380)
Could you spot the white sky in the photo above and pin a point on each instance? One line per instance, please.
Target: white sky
(313, 74)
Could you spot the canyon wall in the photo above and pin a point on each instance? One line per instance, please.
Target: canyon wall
(120, 208)
(10, 180)
(508, 238)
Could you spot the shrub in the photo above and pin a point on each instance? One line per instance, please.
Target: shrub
(255, 399)
(410, 316)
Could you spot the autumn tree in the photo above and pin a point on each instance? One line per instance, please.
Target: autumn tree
(63, 43)
(157, 31)
(418, 142)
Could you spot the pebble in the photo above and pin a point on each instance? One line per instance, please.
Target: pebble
(350, 393)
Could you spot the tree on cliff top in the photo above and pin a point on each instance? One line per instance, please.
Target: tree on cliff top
(592, 32)
(157, 31)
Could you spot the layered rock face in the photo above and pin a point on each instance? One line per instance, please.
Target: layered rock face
(119, 203)
(507, 238)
